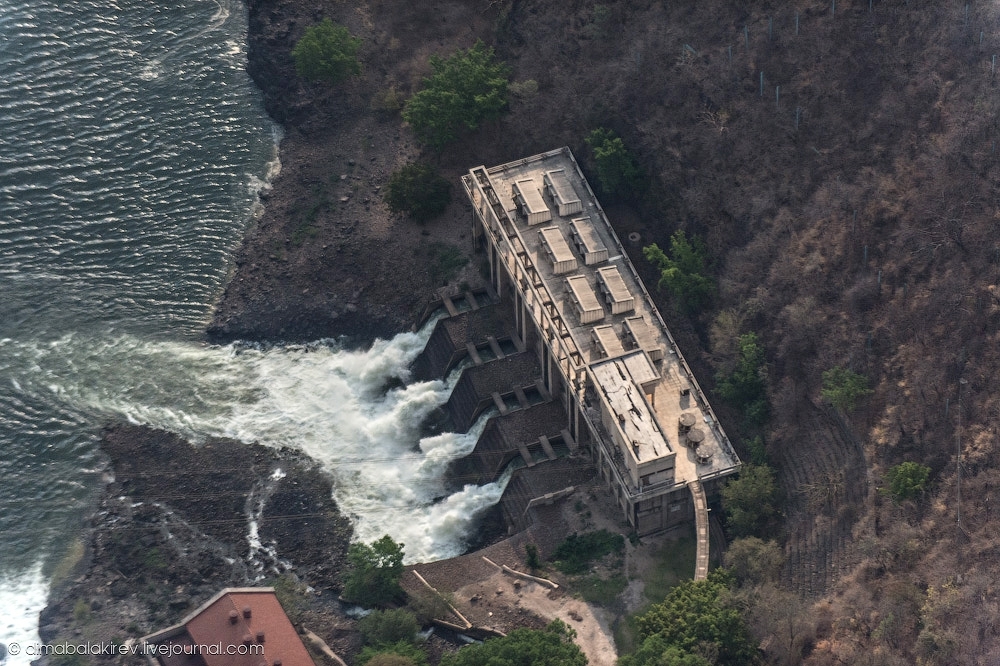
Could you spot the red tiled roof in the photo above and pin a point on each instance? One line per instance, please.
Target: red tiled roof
(240, 621)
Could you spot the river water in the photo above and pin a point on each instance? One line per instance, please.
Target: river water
(132, 149)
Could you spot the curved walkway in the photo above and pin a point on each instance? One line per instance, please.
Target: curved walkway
(701, 527)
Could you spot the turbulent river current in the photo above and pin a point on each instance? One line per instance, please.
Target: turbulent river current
(132, 149)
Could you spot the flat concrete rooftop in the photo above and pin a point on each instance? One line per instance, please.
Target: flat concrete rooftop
(609, 315)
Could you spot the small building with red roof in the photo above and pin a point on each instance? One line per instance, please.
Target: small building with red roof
(240, 626)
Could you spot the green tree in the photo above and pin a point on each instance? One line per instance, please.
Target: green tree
(464, 90)
(326, 52)
(844, 388)
(907, 480)
(683, 273)
(374, 571)
(754, 561)
(697, 618)
(419, 190)
(657, 651)
(552, 646)
(617, 171)
(746, 386)
(750, 500)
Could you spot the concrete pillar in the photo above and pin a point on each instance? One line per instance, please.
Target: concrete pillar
(524, 321)
(550, 381)
(495, 271)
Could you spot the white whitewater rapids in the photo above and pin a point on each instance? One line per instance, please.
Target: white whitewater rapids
(328, 402)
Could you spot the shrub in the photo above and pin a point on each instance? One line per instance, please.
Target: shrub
(906, 480)
(81, 611)
(403, 653)
(427, 606)
(464, 90)
(683, 272)
(418, 190)
(578, 550)
(750, 500)
(844, 388)
(388, 627)
(746, 386)
(524, 89)
(374, 571)
(754, 561)
(326, 52)
(531, 550)
(388, 101)
(617, 172)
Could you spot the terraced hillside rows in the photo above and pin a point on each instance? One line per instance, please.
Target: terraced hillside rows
(823, 474)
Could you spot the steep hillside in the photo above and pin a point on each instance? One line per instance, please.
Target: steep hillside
(840, 161)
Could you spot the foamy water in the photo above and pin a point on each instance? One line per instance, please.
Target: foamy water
(332, 404)
(22, 598)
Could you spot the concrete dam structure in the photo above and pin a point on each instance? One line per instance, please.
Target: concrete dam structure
(570, 351)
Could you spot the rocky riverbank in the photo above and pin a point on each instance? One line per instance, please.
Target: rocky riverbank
(327, 258)
(178, 522)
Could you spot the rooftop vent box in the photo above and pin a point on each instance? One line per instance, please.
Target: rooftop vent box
(637, 332)
(588, 308)
(587, 242)
(614, 290)
(529, 202)
(558, 251)
(561, 190)
(606, 342)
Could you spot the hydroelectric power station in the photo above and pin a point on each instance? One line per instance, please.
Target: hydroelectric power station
(585, 366)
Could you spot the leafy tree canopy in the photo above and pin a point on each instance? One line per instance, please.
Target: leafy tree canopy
(374, 571)
(657, 651)
(617, 171)
(844, 388)
(464, 90)
(750, 500)
(696, 618)
(418, 189)
(326, 52)
(907, 480)
(552, 646)
(683, 272)
(746, 386)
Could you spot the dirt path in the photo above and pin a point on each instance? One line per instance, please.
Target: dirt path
(592, 625)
